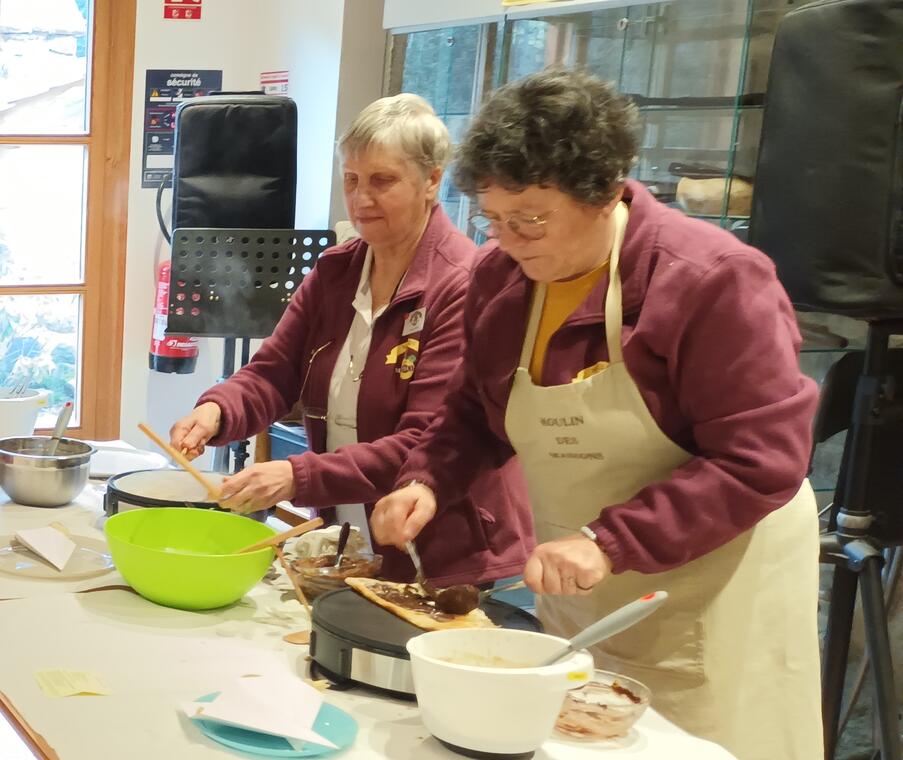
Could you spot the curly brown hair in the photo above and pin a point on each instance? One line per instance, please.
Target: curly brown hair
(559, 127)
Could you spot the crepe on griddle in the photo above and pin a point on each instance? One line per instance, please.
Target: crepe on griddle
(421, 613)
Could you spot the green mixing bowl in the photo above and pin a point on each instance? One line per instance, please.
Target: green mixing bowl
(180, 556)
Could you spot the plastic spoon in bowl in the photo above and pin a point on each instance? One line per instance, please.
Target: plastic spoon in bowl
(61, 422)
(343, 542)
(619, 620)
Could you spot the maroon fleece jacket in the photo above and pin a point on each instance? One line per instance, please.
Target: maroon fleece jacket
(486, 531)
(711, 341)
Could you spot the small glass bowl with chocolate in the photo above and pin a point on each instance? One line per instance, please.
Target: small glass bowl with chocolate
(605, 708)
(317, 575)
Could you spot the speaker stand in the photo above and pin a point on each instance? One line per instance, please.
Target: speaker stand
(857, 556)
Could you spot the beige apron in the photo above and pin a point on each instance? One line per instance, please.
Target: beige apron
(733, 655)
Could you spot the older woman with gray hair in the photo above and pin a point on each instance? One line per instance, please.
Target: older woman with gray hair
(643, 367)
(368, 344)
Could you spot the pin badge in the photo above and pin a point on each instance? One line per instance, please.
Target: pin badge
(413, 323)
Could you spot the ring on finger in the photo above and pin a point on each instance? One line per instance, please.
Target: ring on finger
(585, 588)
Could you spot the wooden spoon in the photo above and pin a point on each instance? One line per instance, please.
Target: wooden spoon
(296, 584)
(182, 461)
(280, 538)
(298, 637)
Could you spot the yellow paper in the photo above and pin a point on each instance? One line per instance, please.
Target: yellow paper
(70, 683)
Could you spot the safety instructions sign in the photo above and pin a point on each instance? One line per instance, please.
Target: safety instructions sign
(164, 90)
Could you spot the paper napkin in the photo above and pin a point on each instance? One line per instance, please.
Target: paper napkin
(281, 705)
(48, 542)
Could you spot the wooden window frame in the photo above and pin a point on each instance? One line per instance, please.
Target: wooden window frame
(102, 290)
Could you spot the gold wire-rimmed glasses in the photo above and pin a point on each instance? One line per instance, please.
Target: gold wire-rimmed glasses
(529, 227)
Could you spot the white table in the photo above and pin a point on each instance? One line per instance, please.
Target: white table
(153, 658)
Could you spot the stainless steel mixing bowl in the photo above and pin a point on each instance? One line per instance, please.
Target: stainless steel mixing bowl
(32, 477)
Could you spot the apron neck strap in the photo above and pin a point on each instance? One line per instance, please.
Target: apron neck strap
(613, 316)
(536, 302)
(613, 309)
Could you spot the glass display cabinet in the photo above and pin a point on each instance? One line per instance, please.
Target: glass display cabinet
(698, 72)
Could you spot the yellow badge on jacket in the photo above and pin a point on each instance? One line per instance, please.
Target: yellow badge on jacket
(406, 353)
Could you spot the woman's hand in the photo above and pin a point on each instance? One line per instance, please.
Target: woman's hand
(191, 432)
(570, 565)
(401, 515)
(259, 486)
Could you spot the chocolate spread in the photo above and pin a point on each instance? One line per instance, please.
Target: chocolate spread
(350, 567)
(411, 598)
(458, 600)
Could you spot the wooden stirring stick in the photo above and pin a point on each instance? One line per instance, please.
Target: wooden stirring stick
(180, 458)
(281, 538)
(295, 583)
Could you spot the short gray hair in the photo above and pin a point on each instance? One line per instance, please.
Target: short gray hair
(405, 122)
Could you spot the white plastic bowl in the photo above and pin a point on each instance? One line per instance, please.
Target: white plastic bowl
(504, 710)
(18, 415)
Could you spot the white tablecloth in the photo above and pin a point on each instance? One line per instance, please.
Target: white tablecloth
(153, 658)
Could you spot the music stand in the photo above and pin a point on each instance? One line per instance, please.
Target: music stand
(235, 284)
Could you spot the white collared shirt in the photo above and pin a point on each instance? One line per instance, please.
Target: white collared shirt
(344, 386)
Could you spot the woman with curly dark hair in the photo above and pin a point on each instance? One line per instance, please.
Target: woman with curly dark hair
(644, 368)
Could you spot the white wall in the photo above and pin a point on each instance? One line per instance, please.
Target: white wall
(242, 38)
(361, 72)
(305, 37)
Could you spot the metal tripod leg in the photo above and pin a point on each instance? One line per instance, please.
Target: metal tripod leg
(879, 652)
(836, 652)
(221, 453)
(860, 560)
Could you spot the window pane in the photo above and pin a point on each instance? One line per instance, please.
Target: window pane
(600, 43)
(531, 47)
(40, 347)
(686, 49)
(44, 66)
(42, 211)
(441, 66)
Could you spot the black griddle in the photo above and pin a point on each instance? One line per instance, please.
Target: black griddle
(354, 641)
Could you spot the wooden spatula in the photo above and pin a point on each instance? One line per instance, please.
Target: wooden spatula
(280, 538)
(182, 461)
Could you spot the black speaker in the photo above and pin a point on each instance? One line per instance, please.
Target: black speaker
(828, 202)
(235, 162)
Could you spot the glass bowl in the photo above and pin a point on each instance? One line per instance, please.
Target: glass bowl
(605, 708)
(316, 575)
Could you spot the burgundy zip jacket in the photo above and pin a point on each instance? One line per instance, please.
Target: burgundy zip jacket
(711, 341)
(486, 532)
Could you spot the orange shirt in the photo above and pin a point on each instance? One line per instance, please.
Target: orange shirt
(562, 299)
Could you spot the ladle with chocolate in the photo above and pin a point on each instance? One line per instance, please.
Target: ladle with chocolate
(461, 599)
(454, 600)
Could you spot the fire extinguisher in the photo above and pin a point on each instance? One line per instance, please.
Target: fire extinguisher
(169, 353)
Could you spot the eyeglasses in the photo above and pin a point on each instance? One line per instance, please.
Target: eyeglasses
(529, 227)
